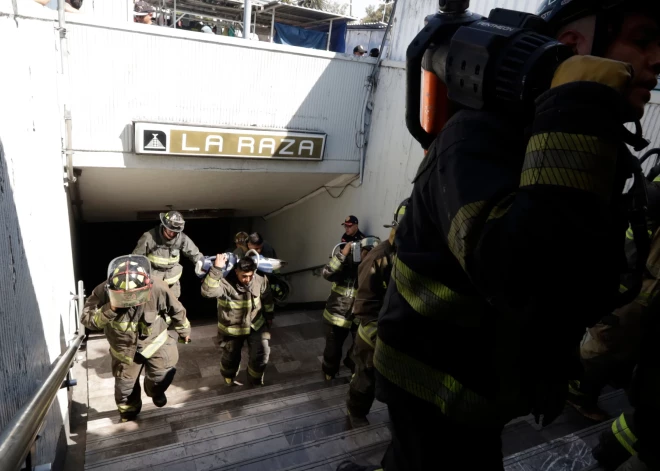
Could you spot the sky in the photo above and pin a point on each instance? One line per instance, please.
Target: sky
(360, 6)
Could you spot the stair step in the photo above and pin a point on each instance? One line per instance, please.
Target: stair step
(370, 455)
(279, 455)
(175, 427)
(572, 452)
(223, 395)
(254, 434)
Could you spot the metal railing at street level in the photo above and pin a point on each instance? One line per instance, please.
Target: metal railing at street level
(18, 439)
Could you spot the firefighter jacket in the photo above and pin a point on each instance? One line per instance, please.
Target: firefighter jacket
(373, 277)
(164, 254)
(512, 245)
(240, 308)
(339, 306)
(139, 329)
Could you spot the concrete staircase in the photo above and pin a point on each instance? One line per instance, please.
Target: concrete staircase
(297, 421)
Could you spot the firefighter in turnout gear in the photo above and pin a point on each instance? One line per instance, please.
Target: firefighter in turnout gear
(611, 348)
(338, 317)
(163, 246)
(131, 308)
(512, 245)
(373, 277)
(245, 313)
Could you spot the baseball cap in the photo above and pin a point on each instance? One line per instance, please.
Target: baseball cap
(359, 49)
(350, 220)
(142, 8)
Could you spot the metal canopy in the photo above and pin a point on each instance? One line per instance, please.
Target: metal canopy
(220, 9)
(299, 16)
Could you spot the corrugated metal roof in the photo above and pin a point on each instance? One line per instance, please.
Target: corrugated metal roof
(299, 16)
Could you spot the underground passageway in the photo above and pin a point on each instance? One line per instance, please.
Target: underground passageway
(100, 242)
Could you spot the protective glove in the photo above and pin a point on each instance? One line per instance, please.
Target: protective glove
(614, 74)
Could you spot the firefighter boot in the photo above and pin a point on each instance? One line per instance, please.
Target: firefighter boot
(357, 421)
(585, 403)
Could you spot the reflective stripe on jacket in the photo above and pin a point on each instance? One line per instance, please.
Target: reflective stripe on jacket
(339, 306)
(140, 329)
(240, 308)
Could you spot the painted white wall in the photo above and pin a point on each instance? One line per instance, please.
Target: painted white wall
(305, 234)
(37, 276)
(368, 38)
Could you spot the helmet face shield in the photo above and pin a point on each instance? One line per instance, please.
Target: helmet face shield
(129, 281)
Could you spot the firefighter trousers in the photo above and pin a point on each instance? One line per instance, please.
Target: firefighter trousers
(425, 439)
(258, 353)
(335, 337)
(159, 373)
(610, 350)
(362, 389)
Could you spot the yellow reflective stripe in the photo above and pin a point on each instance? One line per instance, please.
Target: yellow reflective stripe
(461, 225)
(269, 307)
(162, 260)
(232, 304)
(153, 347)
(570, 160)
(368, 333)
(631, 236)
(126, 408)
(428, 384)
(184, 325)
(233, 330)
(343, 290)
(657, 179)
(254, 374)
(501, 208)
(99, 319)
(124, 326)
(623, 434)
(258, 322)
(337, 320)
(208, 281)
(574, 387)
(562, 141)
(174, 279)
(120, 356)
(431, 298)
(335, 263)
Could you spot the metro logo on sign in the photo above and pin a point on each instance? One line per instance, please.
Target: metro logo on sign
(228, 142)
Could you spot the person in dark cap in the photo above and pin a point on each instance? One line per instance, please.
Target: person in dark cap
(143, 12)
(375, 52)
(352, 230)
(359, 51)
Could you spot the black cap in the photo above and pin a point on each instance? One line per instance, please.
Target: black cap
(350, 220)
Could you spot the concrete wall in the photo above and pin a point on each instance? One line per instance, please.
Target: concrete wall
(305, 234)
(35, 253)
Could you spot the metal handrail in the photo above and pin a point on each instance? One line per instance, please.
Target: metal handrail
(17, 439)
(301, 270)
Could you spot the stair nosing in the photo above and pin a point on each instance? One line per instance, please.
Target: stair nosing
(338, 390)
(242, 444)
(220, 398)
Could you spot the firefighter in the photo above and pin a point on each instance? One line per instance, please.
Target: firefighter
(338, 317)
(610, 349)
(245, 312)
(163, 246)
(373, 278)
(131, 307)
(512, 245)
(240, 240)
